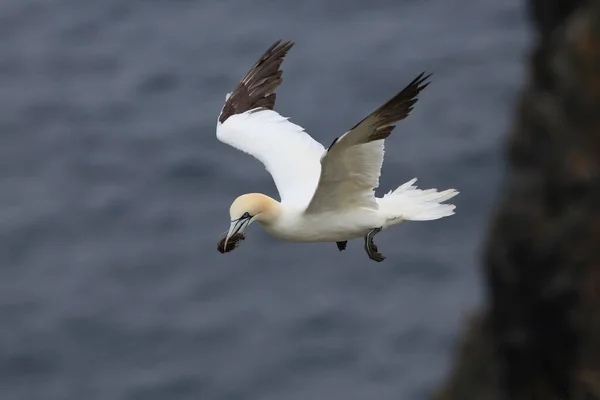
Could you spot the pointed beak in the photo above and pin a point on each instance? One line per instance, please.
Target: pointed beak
(237, 226)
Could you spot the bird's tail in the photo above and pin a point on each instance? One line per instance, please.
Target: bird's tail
(407, 203)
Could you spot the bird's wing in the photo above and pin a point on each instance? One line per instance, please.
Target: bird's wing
(248, 123)
(351, 167)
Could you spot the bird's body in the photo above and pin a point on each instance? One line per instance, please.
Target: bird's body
(327, 194)
(296, 226)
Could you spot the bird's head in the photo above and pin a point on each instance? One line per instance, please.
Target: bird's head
(243, 211)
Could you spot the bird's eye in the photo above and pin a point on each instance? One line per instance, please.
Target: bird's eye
(246, 215)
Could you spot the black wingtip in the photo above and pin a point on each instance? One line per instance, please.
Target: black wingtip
(257, 88)
(397, 108)
(279, 48)
(421, 81)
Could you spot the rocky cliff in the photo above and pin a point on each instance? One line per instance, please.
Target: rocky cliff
(539, 337)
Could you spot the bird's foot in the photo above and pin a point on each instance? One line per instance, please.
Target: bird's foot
(341, 245)
(370, 246)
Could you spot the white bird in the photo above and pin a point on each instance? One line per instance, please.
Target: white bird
(327, 195)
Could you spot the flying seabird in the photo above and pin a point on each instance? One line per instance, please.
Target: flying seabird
(327, 194)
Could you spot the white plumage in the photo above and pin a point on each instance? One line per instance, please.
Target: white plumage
(289, 154)
(326, 194)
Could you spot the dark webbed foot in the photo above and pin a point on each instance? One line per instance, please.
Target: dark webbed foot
(370, 246)
(341, 245)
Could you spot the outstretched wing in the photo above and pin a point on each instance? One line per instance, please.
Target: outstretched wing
(351, 167)
(249, 123)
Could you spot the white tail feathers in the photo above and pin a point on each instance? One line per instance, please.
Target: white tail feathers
(412, 204)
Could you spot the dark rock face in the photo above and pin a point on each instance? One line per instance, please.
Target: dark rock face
(540, 337)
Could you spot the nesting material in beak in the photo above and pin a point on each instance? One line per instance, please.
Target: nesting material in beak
(232, 243)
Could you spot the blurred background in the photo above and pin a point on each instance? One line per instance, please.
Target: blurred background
(115, 191)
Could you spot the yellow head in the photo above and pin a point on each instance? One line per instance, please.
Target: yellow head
(249, 208)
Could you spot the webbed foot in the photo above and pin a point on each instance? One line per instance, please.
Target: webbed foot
(370, 246)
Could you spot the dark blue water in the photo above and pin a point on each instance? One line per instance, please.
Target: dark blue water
(115, 191)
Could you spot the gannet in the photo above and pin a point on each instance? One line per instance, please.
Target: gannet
(326, 194)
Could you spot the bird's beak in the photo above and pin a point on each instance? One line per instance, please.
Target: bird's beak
(237, 226)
